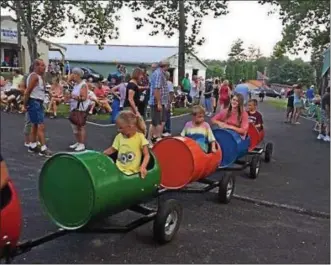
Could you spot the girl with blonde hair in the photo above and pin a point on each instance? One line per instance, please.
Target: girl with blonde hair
(130, 144)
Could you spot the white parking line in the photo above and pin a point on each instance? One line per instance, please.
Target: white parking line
(111, 125)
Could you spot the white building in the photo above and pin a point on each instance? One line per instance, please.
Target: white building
(104, 61)
(15, 45)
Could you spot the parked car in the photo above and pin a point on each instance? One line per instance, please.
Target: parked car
(90, 73)
(272, 93)
(256, 91)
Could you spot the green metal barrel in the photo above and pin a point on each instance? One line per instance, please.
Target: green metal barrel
(76, 188)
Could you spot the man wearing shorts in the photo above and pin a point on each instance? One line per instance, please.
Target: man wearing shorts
(159, 99)
(33, 101)
(325, 113)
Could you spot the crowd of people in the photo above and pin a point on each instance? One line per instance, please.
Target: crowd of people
(298, 102)
(135, 93)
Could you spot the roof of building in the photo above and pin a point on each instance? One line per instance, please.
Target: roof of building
(116, 53)
(125, 54)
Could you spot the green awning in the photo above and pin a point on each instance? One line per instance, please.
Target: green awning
(326, 61)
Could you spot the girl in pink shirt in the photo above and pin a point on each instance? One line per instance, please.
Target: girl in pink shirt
(234, 118)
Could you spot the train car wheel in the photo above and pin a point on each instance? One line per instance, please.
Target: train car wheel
(268, 152)
(254, 169)
(226, 188)
(167, 221)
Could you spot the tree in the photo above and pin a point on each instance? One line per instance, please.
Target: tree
(237, 52)
(215, 68)
(317, 63)
(165, 17)
(306, 24)
(285, 71)
(253, 53)
(44, 18)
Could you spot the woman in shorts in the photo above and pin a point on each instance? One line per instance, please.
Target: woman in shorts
(298, 103)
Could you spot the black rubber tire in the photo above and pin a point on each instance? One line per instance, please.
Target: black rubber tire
(268, 152)
(255, 166)
(159, 228)
(223, 197)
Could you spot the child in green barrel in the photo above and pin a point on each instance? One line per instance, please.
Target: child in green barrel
(130, 144)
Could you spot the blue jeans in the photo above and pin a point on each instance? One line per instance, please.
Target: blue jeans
(167, 126)
(36, 111)
(208, 105)
(115, 110)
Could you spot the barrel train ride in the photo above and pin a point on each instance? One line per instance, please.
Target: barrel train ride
(182, 161)
(77, 190)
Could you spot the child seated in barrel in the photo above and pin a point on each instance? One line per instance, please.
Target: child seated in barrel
(130, 144)
(199, 130)
(254, 116)
(234, 117)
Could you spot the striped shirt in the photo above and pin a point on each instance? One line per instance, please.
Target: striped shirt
(202, 134)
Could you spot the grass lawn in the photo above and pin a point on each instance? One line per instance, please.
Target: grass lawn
(278, 103)
(63, 111)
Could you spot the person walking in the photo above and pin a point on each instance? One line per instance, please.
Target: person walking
(159, 100)
(224, 95)
(34, 103)
(79, 104)
(132, 99)
(167, 126)
(243, 89)
(325, 113)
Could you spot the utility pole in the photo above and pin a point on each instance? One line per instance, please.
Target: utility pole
(181, 44)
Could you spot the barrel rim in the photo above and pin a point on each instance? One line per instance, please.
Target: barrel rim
(223, 151)
(43, 204)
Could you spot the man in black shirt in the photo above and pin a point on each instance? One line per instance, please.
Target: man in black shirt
(290, 105)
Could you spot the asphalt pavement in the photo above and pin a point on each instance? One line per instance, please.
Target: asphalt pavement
(240, 232)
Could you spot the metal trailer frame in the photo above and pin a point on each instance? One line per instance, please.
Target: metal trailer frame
(167, 218)
(226, 184)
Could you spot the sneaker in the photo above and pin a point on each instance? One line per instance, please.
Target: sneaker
(297, 123)
(34, 150)
(46, 153)
(320, 137)
(166, 134)
(26, 145)
(326, 139)
(80, 148)
(74, 146)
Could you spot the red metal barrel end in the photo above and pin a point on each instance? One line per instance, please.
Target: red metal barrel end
(180, 161)
(254, 136)
(261, 135)
(11, 217)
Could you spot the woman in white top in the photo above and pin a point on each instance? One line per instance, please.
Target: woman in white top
(79, 95)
